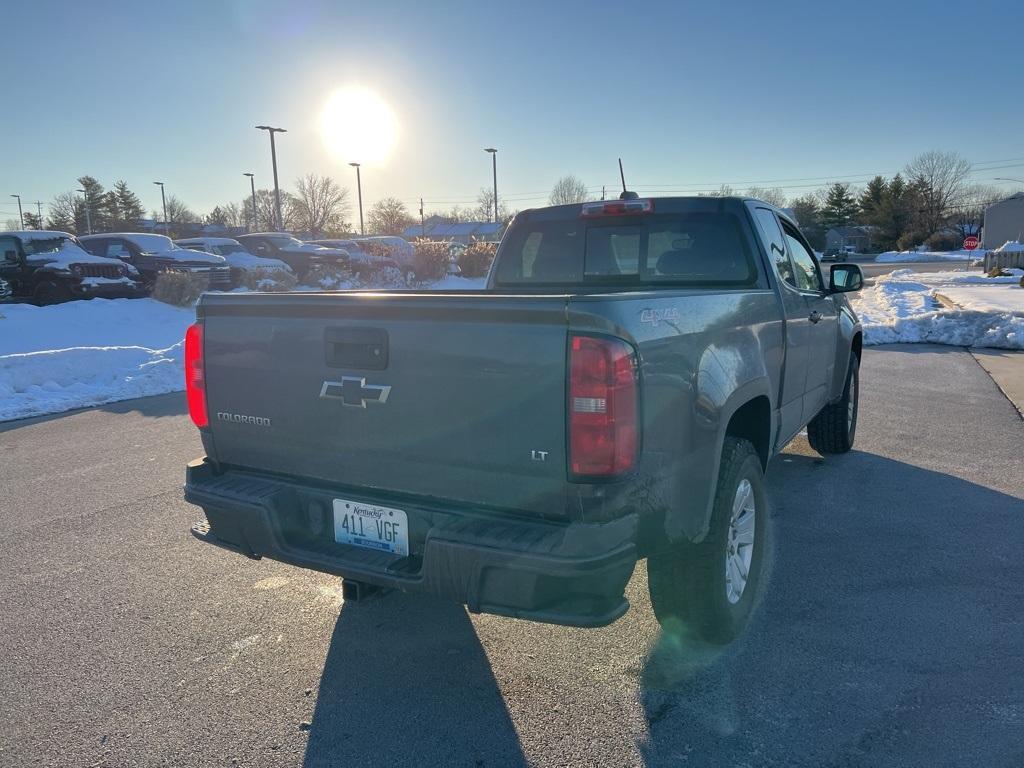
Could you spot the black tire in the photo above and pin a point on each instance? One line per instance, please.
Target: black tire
(50, 293)
(688, 585)
(835, 426)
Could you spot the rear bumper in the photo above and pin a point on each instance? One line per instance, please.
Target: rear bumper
(572, 574)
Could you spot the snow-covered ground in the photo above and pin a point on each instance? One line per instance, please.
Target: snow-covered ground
(901, 307)
(85, 353)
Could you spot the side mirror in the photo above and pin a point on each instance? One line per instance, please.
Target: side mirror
(844, 278)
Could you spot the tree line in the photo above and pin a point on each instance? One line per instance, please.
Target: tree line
(931, 201)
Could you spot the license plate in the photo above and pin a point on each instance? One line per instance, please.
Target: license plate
(371, 527)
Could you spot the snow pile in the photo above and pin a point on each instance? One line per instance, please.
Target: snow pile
(245, 260)
(86, 353)
(37, 383)
(1011, 246)
(901, 307)
(890, 257)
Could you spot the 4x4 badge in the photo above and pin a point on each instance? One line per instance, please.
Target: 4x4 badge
(353, 391)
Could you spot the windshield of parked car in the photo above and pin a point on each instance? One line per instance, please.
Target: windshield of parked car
(34, 247)
(286, 241)
(698, 248)
(225, 250)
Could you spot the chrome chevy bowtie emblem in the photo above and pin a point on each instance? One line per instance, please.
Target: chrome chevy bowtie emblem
(353, 391)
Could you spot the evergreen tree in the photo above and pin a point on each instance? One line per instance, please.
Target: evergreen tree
(840, 206)
(871, 199)
(100, 213)
(126, 206)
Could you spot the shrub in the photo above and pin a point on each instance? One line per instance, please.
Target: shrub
(182, 289)
(476, 260)
(330, 277)
(269, 280)
(430, 260)
(942, 241)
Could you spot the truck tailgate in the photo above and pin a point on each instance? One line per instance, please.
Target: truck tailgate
(455, 396)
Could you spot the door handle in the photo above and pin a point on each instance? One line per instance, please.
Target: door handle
(815, 316)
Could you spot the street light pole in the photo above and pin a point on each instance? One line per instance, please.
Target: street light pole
(163, 199)
(273, 160)
(88, 218)
(359, 189)
(21, 216)
(252, 184)
(494, 169)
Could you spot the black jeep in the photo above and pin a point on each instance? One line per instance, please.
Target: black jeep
(51, 267)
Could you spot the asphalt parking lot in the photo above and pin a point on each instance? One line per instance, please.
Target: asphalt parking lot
(890, 636)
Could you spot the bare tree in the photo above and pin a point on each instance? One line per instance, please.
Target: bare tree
(319, 204)
(723, 191)
(389, 216)
(568, 190)
(771, 195)
(177, 212)
(484, 210)
(941, 180)
(228, 215)
(266, 211)
(61, 215)
(969, 215)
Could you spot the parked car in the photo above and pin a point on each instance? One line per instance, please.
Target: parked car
(50, 267)
(361, 261)
(399, 249)
(238, 259)
(615, 393)
(300, 256)
(153, 254)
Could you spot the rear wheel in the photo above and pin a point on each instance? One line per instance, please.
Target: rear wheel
(711, 588)
(835, 426)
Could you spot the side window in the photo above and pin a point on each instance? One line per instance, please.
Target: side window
(116, 249)
(8, 250)
(774, 242)
(807, 276)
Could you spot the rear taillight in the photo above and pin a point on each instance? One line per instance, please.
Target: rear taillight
(617, 208)
(602, 406)
(195, 376)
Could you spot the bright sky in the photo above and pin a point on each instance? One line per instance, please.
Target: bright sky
(691, 95)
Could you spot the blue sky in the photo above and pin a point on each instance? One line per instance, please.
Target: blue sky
(691, 95)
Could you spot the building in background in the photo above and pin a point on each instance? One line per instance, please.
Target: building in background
(1004, 222)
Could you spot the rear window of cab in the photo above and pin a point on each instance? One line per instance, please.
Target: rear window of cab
(699, 248)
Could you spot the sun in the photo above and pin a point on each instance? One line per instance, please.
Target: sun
(358, 126)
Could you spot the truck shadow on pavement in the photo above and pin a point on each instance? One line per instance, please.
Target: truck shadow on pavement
(406, 682)
(155, 406)
(890, 634)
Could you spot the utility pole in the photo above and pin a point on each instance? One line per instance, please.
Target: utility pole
(494, 169)
(252, 185)
(359, 188)
(39, 210)
(88, 218)
(273, 160)
(163, 199)
(423, 225)
(21, 216)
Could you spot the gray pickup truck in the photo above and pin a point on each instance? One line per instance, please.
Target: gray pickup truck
(615, 393)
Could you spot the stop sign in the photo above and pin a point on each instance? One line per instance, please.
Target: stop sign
(970, 242)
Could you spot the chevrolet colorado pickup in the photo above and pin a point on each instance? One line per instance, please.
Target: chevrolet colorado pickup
(614, 394)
